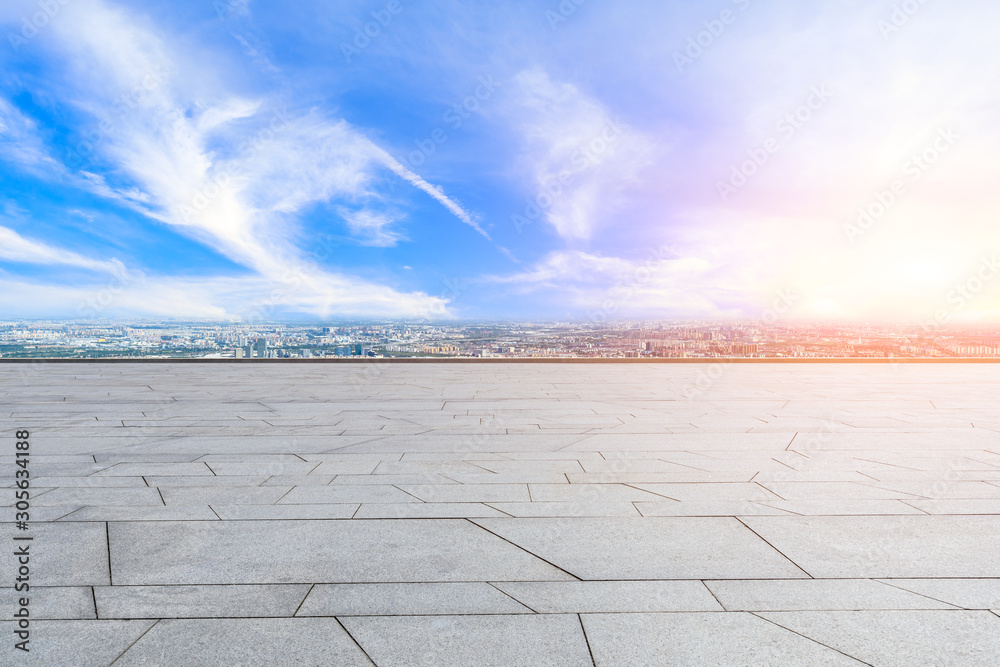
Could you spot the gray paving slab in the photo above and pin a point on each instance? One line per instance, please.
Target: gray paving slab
(530, 467)
(965, 593)
(638, 465)
(945, 490)
(886, 546)
(502, 478)
(347, 493)
(109, 458)
(710, 492)
(158, 469)
(588, 493)
(722, 508)
(51, 512)
(292, 480)
(285, 512)
(250, 552)
(460, 641)
(669, 442)
(834, 490)
(902, 638)
(93, 482)
(425, 478)
(469, 493)
(81, 643)
(213, 459)
(205, 481)
(141, 513)
(222, 495)
(52, 602)
(983, 506)
(647, 548)
(60, 554)
(427, 511)
(876, 451)
(586, 597)
(816, 595)
(594, 508)
(43, 468)
(129, 497)
(766, 477)
(739, 476)
(239, 601)
(258, 468)
(651, 640)
(314, 642)
(844, 507)
(408, 600)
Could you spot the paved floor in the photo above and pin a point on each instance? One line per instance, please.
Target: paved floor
(506, 514)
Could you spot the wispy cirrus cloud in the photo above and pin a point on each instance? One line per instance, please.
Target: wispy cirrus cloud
(20, 142)
(656, 285)
(228, 170)
(251, 298)
(16, 248)
(579, 154)
(372, 228)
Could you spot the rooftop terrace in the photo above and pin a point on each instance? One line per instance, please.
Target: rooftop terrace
(506, 514)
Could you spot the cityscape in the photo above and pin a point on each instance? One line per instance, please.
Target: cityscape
(393, 339)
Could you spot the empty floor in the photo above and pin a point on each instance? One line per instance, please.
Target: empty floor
(506, 513)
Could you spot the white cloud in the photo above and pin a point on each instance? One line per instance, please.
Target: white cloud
(662, 283)
(371, 227)
(19, 140)
(132, 293)
(434, 191)
(579, 154)
(16, 248)
(230, 171)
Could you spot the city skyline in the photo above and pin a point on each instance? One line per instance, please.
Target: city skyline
(651, 340)
(574, 161)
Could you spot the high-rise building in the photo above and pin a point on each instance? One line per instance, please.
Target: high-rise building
(261, 348)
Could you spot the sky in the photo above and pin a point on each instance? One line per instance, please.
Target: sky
(573, 160)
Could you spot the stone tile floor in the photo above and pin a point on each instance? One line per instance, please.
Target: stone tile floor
(506, 514)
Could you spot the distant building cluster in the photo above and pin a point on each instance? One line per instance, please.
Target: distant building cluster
(627, 340)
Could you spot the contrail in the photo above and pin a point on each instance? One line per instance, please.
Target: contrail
(433, 190)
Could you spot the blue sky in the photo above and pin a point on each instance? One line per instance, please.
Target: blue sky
(582, 159)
